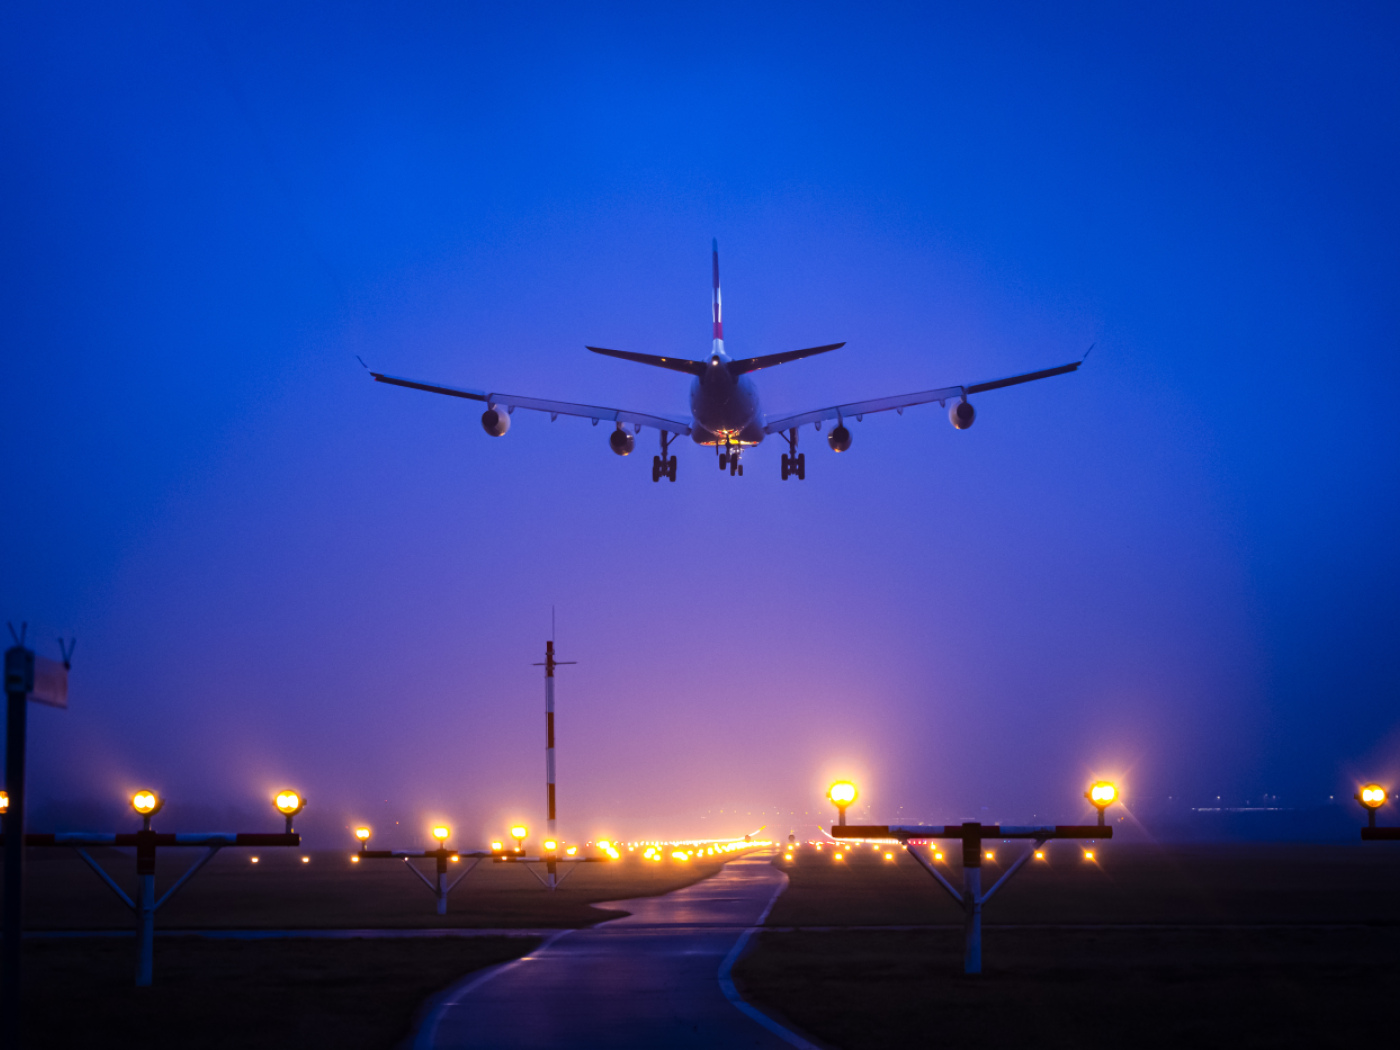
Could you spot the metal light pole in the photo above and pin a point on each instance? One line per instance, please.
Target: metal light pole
(551, 832)
(27, 677)
(972, 833)
(19, 680)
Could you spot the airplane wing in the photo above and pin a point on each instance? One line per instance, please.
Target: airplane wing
(900, 402)
(636, 420)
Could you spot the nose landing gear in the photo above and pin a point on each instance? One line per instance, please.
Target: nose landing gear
(796, 462)
(730, 458)
(663, 466)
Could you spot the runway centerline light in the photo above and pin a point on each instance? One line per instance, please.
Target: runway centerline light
(1101, 795)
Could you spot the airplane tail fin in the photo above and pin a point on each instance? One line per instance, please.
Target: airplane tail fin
(714, 297)
(675, 364)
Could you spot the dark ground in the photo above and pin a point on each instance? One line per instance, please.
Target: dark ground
(1244, 946)
(351, 994)
(280, 892)
(283, 993)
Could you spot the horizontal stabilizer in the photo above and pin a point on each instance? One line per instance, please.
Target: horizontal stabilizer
(675, 364)
(753, 364)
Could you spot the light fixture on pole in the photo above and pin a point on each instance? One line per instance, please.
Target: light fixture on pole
(841, 794)
(1101, 795)
(289, 804)
(147, 804)
(519, 832)
(1372, 797)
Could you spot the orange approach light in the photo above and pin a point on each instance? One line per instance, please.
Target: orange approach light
(441, 832)
(518, 833)
(362, 834)
(144, 802)
(1101, 795)
(1372, 796)
(842, 794)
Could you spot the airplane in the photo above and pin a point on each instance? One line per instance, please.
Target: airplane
(724, 406)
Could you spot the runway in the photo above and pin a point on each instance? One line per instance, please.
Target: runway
(658, 977)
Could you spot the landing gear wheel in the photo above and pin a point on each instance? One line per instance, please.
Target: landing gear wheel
(741, 470)
(733, 465)
(800, 466)
(723, 460)
(786, 468)
(670, 470)
(655, 468)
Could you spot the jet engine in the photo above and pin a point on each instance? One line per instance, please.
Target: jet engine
(961, 415)
(495, 421)
(621, 442)
(839, 439)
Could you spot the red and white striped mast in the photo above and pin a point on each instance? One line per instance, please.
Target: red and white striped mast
(551, 834)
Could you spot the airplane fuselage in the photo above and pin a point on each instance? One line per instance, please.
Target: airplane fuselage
(724, 407)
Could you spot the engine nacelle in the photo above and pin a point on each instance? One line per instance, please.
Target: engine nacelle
(495, 421)
(839, 439)
(961, 415)
(621, 442)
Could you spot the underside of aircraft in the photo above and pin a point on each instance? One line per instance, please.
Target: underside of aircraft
(724, 405)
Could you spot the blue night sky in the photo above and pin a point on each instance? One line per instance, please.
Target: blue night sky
(1177, 566)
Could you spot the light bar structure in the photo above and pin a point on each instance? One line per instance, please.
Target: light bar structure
(971, 898)
(146, 843)
(1372, 797)
(439, 886)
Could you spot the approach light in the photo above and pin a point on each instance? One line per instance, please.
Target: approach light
(147, 804)
(889, 856)
(289, 804)
(518, 833)
(1040, 854)
(4, 802)
(1372, 796)
(571, 850)
(1101, 795)
(1089, 855)
(362, 834)
(550, 845)
(496, 847)
(839, 857)
(842, 794)
(441, 832)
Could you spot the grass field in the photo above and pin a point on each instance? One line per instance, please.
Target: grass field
(1238, 946)
(331, 892)
(274, 995)
(353, 993)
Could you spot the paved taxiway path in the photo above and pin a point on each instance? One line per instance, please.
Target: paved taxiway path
(658, 978)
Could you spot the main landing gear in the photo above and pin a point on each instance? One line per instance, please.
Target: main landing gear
(796, 463)
(730, 458)
(663, 466)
